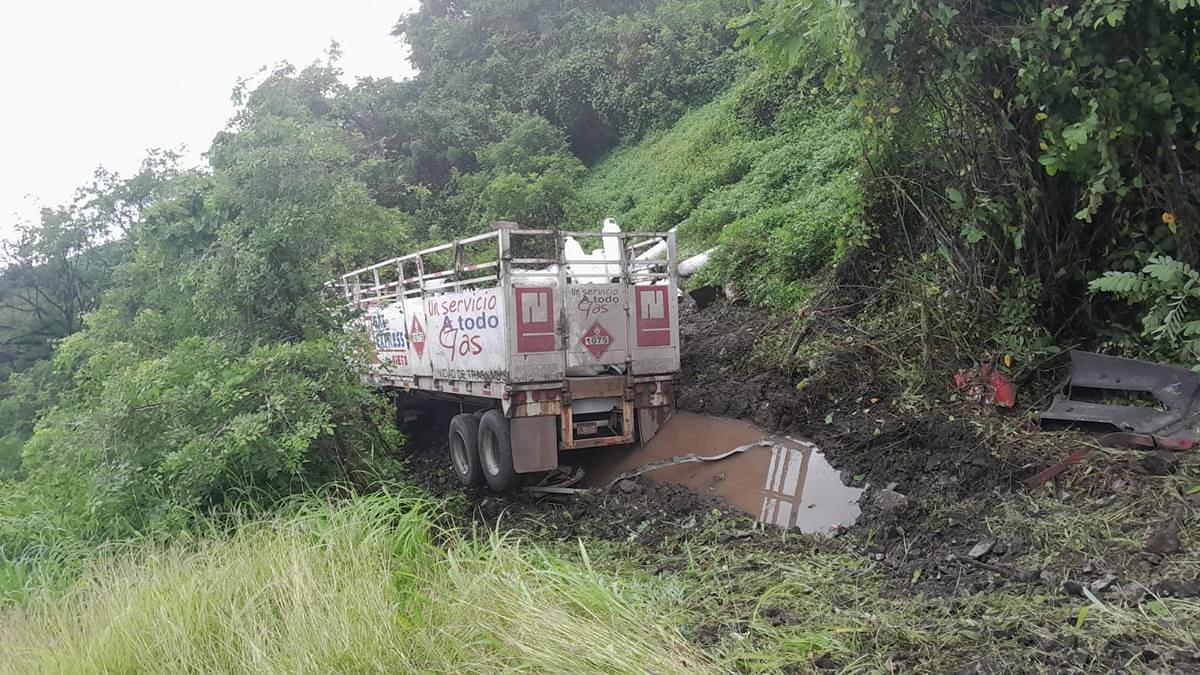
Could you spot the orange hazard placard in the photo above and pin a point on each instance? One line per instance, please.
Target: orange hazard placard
(596, 339)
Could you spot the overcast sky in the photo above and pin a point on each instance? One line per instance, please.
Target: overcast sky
(98, 83)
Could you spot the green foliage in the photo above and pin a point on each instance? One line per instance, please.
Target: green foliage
(600, 71)
(818, 37)
(596, 72)
(187, 429)
(1029, 145)
(529, 176)
(767, 173)
(55, 272)
(210, 370)
(1169, 291)
(27, 394)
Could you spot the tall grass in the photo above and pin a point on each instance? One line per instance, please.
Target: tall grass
(374, 584)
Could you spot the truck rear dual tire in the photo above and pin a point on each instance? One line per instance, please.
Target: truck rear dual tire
(464, 450)
(481, 451)
(495, 452)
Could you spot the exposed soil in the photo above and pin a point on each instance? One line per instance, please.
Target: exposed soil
(641, 509)
(934, 480)
(846, 405)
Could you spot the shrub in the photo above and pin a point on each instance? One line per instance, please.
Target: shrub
(1169, 292)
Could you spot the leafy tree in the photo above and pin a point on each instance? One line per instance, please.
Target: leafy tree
(529, 176)
(55, 273)
(57, 268)
(599, 70)
(213, 365)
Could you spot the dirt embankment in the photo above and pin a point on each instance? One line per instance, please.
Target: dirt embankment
(947, 513)
(846, 404)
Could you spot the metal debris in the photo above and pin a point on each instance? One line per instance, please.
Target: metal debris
(1174, 424)
(1054, 470)
(686, 459)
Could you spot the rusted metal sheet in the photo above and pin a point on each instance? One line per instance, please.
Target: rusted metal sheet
(1054, 470)
(1176, 420)
(1122, 439)
(653, 393)
(1119, 439)
(596, 387)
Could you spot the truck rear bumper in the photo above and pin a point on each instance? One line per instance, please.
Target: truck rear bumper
(580, 426)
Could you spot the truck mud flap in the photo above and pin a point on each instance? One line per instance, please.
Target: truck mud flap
(534, 443)
(650, 420)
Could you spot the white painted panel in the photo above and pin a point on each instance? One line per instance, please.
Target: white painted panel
(465, 335)
(793, 477)
(783, 514)
(598, 330)
(389, 341)
(417, 328)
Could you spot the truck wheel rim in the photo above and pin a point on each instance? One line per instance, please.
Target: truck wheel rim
(487, 447)
(458, 454)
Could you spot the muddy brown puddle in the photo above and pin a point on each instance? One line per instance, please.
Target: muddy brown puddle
(779, 480)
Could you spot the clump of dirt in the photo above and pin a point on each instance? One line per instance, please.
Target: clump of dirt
(716, 377)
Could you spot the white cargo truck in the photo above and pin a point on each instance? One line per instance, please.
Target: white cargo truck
(537, 347)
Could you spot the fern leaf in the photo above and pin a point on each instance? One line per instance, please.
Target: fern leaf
(1125, 284)
(1172, 323)
(1167, 269)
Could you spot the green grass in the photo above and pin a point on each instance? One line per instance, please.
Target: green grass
(766, 171)
(386, 584)
(374, 584)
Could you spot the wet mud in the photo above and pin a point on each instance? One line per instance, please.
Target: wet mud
(779, 480)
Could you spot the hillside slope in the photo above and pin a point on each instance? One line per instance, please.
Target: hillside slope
(766, 171)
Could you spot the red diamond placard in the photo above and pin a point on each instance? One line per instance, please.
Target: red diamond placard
(596, 340)
(416, 336)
